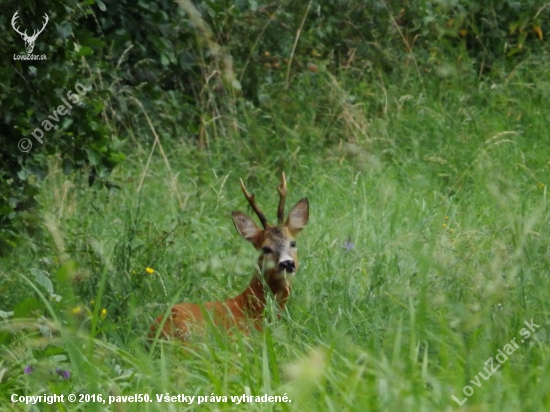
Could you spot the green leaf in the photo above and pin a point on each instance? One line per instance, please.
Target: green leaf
(67, 166)
(25, 308)
(84, 51)
(64, 29)
(43, 279)
(93, 157)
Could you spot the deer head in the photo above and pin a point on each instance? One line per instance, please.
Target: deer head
(29, 40)
(279, 256)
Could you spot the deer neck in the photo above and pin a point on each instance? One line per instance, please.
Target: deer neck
(254, 296)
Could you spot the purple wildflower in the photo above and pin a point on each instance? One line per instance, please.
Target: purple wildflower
(28, 369)
(63, 373)
(348, 245)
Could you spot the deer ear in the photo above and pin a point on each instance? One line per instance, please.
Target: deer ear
(298, 216)
(246, 227)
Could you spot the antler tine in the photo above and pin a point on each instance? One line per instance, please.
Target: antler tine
(46, 20)
(252, 202)
(13, 20)
(37, 32)
(282, 197)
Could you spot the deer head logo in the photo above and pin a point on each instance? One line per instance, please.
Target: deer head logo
(29, 40)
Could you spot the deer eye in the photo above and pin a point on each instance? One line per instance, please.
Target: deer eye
(267, 250)
(293, 244)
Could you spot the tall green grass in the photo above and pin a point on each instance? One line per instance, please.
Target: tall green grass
(426, 250)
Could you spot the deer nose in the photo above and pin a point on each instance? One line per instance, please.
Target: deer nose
(287, 266)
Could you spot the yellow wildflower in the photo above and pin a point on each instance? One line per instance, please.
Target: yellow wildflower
(76, 310)
(103, 314)
(150, 271)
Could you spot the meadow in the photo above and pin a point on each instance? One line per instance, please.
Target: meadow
(425, 253)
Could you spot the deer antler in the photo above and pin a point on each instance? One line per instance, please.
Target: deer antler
(282, 197)
(14, 18)
(252, 203)
(29, 40)
(35, 35)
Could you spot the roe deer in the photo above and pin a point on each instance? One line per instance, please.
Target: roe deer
(276, 267)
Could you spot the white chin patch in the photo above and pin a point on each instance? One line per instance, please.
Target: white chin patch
(286, 275)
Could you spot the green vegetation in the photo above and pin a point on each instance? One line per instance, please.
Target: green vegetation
(426, 251)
